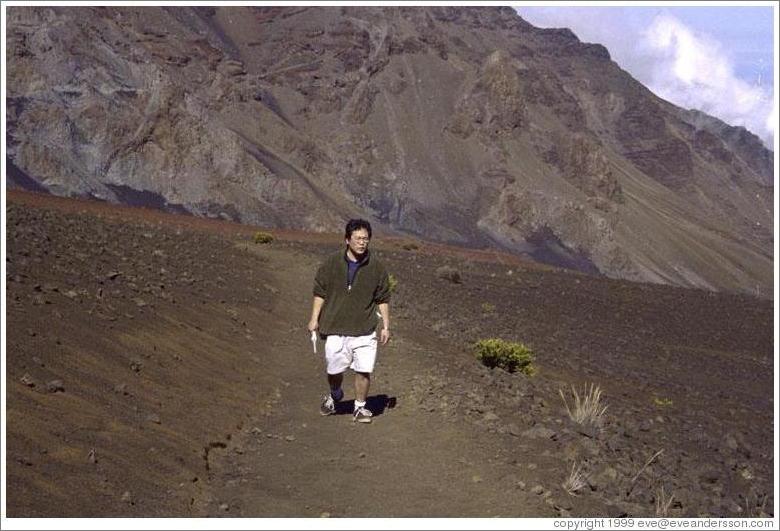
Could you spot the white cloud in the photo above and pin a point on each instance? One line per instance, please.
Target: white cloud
(693, 70)
(690, 68)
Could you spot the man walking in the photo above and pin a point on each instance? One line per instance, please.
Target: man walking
(349, 287)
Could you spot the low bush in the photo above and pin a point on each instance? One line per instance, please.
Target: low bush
(392, 283)
(512, 357)
(662, 402)
(262, 237)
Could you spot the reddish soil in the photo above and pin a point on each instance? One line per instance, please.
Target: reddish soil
(158, 365)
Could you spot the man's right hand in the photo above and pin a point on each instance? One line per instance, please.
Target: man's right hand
(313, 325)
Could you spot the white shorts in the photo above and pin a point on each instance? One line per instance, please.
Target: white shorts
(355, 352)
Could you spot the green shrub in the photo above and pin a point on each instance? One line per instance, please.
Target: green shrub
(662, 402)
(262, 237)
(506, 355)
(488, 307)
(392, 283)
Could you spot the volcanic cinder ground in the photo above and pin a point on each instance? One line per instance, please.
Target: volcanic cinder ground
(158, 365)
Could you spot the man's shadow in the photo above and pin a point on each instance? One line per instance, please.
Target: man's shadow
(377, 404)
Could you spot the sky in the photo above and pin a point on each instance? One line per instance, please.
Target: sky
(717, 59)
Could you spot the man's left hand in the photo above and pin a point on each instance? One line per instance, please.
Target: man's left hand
(384, 336)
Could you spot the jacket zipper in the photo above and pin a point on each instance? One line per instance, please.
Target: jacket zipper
(354, 278)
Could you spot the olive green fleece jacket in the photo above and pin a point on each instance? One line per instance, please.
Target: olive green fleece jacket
(350, 312)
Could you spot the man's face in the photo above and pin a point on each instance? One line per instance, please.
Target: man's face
(358, 242)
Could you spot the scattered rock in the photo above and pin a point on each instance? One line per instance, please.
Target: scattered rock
(588, 429)
(55, 386)
(154, 417)
(631, 510)
(291, 438)
(92, 456)
(449, 273)
(604, 479)
(127, 497)
(539, 432)
(27, 380)
(537, 489)
(40, 300)
(563, 505)
(490, 417)
(710, 475)
(224, 507)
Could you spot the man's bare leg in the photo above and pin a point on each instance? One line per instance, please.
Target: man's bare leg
(362, 383)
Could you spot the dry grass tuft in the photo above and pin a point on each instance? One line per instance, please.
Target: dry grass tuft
(755, 505)
(662, 503)
(576, 480)
(587, 409)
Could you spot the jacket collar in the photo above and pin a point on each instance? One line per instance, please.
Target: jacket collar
(363, 261)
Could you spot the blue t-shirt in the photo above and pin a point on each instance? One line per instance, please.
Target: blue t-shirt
(352, 268)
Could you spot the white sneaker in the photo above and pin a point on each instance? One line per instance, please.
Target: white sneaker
(327, 406)
(362, 414)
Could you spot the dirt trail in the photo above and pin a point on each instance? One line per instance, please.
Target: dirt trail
(408, 462)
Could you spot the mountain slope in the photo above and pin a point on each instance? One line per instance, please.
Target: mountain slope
(463, 125)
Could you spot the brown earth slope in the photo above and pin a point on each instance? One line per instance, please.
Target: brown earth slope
(158, 365)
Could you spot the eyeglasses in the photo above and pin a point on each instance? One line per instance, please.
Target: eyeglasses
(360, 239)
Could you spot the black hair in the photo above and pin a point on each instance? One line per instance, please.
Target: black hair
(357, 224)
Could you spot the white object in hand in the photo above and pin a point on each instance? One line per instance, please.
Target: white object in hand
(314, 341)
